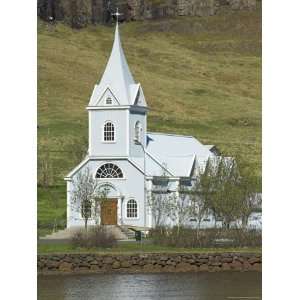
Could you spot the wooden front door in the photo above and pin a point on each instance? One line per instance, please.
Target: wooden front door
(109, 212)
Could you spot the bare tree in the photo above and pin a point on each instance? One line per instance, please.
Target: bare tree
(101, 197)
(199, 197)
(159, 201)
(181, 209)
(86, 195)
(251, 203)
(203, 191)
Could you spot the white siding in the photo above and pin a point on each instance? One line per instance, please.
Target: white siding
(136, 150)
(97, 145)
(131, 186)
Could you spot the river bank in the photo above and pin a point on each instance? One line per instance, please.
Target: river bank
(80, 263)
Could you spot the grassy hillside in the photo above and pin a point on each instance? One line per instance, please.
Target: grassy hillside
(201, 77)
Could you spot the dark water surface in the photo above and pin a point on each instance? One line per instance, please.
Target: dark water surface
(203, 286)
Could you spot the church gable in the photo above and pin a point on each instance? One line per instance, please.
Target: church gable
(139, 97)
(107, 99)
(194, 169)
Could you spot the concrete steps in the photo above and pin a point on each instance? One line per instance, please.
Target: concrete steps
(117, 232)
(128, 232)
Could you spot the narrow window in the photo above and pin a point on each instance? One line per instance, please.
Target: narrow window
(137, 131)
(109, 132)
(108, 100)
(131, 209)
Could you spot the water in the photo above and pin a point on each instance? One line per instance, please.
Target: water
(185, 286)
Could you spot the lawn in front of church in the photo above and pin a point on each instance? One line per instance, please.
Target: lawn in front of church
(137, 247)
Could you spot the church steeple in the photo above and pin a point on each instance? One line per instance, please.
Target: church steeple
(118, 79)
(117, 110)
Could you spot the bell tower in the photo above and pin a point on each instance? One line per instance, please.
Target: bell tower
(117, 110)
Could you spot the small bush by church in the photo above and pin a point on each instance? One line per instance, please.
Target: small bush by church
(95, 237)
(205, 238)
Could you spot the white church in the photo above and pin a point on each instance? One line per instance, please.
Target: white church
(123, 156)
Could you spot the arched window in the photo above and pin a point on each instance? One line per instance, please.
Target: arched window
(109, 132)
(109, 170)
(137, 131)
(131, 209)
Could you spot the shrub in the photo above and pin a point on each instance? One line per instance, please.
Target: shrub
(96, 236)
(79, 239)
(244, 237)
(205, 238)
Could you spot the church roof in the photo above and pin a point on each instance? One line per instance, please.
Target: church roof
(116, 77)
(169, 154)
(177, 153)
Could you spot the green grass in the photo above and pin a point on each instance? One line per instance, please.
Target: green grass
(201, 77)
(48, 211)
(133, 247)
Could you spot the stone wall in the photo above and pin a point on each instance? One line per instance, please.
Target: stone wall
(80, 13)
(147, 263)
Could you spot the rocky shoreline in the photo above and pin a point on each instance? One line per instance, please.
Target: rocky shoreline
(147, 263)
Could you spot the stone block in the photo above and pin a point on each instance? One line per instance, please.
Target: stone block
(65, 267)
(95, 267)
(142, 263)
(177, 259)
(247, 265)
(254, 260)
(236, 265)
(216, 269)
(164, 258)
(84, 264)
(169, 268)
(116, 265)
(151, 268)
(108, 260)
(191, 261)
(185, 267)
(125, 264)
(202, 260)
(204, 268)
(89, 258)
(256, 267)
(226, 259)
(52, 264)
(226, 266)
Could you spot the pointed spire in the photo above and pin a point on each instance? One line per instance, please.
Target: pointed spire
(117, 58)
(117, 76)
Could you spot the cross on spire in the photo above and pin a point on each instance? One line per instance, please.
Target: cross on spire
(117, 14)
